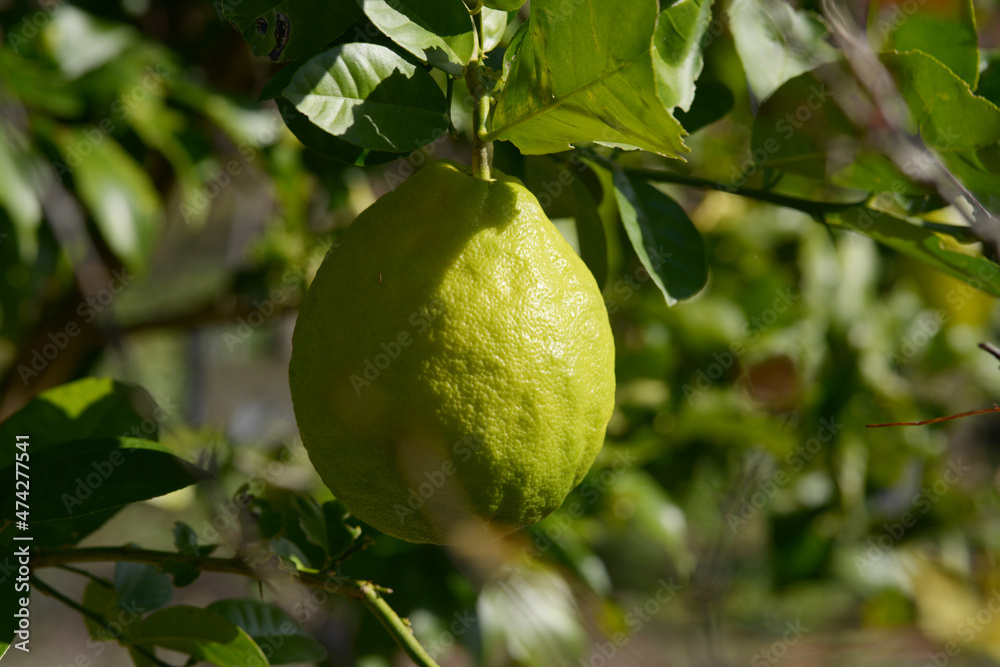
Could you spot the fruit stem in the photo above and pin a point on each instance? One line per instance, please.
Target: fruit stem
(482, 151)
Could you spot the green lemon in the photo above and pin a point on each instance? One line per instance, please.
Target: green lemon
(452, 365)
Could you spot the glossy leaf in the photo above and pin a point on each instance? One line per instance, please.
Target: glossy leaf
(317, 139)
(88, 408)
(141, 586)
(286, 30)
(201, 634)
(439, 32)
(115, 189)
(776, 42)
(369, 96)
(664, 238)
(81, 477)
(923, 244)
(494, 27)
(571, 84)
(677, 59)
(273, 629)
(945, 29)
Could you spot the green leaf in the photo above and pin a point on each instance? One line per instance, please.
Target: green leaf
(569, 83)
(317, 139)
(84, 476)
(142, 587)
(989, 77)
(201, 634)
(88, 408)
(18, 195)
(369, 96)
(140, 659)
(80, 43)
(677, 57)
(274, 630)
(945, 30)
(286, 30)
(339, 535)
(712, 101)
(103, 601)
(776, 42)
(115, 189)
(797, 127)
(590, 234)
(182, 572)
(186, 541)
(439, 32)
(938, 251)
(494, 27)
(664, 238)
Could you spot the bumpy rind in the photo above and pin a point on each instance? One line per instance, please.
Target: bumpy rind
(452, 368)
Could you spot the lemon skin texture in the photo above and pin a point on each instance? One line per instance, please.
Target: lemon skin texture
(452, 365)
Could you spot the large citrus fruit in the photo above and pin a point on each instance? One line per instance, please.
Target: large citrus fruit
(452, 365)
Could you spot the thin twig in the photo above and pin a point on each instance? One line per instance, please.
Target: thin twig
(995, 408)
(991, 348)
(364, 591)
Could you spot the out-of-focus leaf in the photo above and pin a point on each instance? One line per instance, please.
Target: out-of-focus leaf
(776, 42)
(141, 586)
(103, 601)
(37, 86)
(275, 631)
(802, 129)
(923, 244)
(945, 29)
(439, 32)
(666, 241)
(677, 57)
(531, 616)
(115, 189)
(369, 96)
(17, 196)
(989, 77)
(285, 30)
(80, 42)
(201, 634)
(568, 83)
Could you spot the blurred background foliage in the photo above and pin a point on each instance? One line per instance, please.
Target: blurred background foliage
(158, 226)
